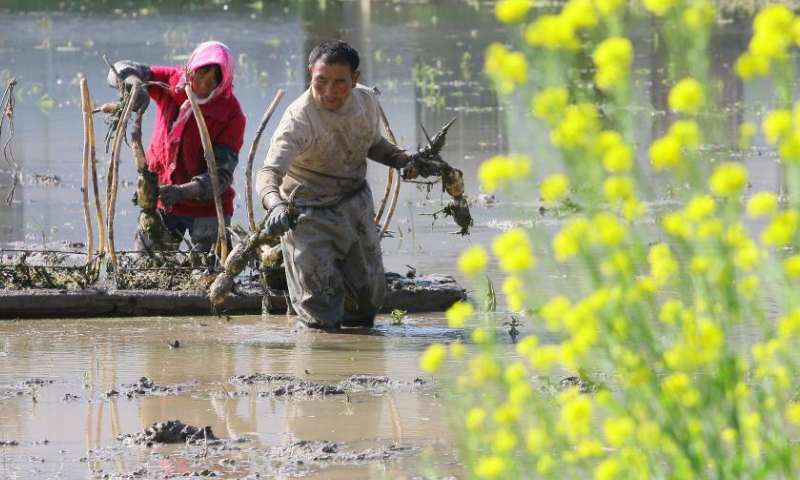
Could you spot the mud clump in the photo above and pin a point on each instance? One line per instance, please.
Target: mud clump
(252, 378)
(381, 383)
(326, 451)
(145, 386)
(9, 443)
(46, 180)
(38, 382)
(173, 431)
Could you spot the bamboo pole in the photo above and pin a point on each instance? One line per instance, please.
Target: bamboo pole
(392, 206)
(101, 230)
(248, 186)
(390, 136)
(211, 163)
(123, 121)
(86, 108)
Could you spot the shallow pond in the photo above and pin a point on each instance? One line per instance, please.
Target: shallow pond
(392, 429)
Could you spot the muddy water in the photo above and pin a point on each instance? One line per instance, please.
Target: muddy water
(389, 425)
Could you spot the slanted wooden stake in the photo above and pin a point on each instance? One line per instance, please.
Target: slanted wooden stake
(389, 136)
(114, 169)
(86, 108)
(390, 177)
(211, 164)
(248, 186)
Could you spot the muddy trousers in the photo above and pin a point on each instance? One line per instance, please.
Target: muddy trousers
(332, 253)
(202, 230)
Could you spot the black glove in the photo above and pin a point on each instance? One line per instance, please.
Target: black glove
(424, 167)
(169, 195)
(279, 221)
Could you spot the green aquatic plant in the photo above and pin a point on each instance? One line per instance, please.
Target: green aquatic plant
(397, 316)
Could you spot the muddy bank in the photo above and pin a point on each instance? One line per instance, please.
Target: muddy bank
(429, 293)
(280, 385)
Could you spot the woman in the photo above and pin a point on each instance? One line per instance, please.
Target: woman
(176, 152)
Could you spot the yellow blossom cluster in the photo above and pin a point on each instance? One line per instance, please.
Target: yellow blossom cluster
(782, 128)
(700, 15)
(578, 127)
(686, 96)
(613, 59)
(550, 104)
(508, 69)
(667, 152)
(554, 188)
(659, 7)
(774, 30)
(510, 11)
(501, 170)
(514, 251)
(617, 155)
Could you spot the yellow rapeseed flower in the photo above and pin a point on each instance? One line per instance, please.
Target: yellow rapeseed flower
(687, 96)
(701, 207)
(475, 418)
(567, 242)
(491, 466)
(658, 7)
(537, 440)
(550, 103)
(606, 7)
(687, 132)
(748, 66)
(501, 170)
(665, 153)
(791, 266)
(575, 415)
(793, 413)
(676, 225)
(552, 32)
(618, 158)
(458, 350)
(431, 360)
(514, 251)
(508, 69)
(510, 11)
(580, 124)
(554, 187)
(458, 313)
(699, 15)
(580, 14)
(776, 125)
(513, 289)
(619, 430)
(504, 441)
(663, 265)
(781, 230)
(608, 469)
(613, 59)
(554, 311)
(473, 260)
(728, 179)
(746, 132)
(761, 204)
(618, 189)
(609, 229)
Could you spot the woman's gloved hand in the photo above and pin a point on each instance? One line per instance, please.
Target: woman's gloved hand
(132, 73)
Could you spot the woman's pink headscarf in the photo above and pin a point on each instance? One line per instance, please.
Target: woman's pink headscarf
(207, 53)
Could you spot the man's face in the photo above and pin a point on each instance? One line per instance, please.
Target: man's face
(332, 84)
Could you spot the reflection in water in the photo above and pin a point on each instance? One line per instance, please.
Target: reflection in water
(94, 353)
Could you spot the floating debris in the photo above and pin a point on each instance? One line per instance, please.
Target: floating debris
(173, 431)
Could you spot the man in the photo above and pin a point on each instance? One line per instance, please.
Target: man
(322, 143)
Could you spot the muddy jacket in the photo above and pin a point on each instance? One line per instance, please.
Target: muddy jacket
(183, 161)
(325, 151)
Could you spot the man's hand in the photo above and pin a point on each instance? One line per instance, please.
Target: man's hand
(405, 159)
(279, 221)
(425, 168)
(170, 195)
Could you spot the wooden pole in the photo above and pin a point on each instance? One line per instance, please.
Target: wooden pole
(211, 164)
(86, 108)
(248, 186)
(390, 136)
(101, 230)
(123, 121)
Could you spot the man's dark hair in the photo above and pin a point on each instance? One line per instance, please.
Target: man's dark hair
(333, 52)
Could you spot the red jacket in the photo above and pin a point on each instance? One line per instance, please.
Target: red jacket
(177, 163)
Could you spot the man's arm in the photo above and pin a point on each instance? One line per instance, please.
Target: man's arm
(289, 140)
(390, 155)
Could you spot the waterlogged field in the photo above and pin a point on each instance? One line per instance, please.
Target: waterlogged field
(631, 266)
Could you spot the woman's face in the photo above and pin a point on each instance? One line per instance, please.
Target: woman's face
(204, 80)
